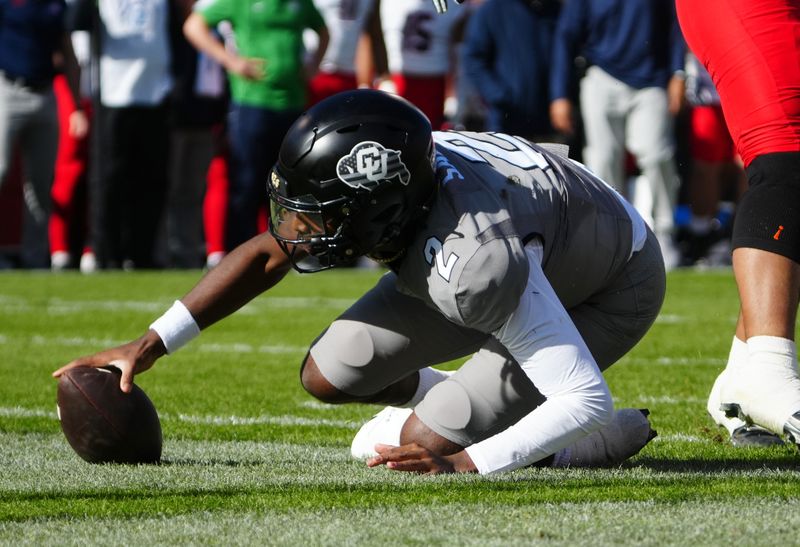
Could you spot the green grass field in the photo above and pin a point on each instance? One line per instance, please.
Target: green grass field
(249, 458)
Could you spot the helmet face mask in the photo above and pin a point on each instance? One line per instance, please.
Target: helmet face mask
(352, 175)
(310, 232)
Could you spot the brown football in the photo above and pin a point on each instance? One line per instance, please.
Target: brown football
(102, 423)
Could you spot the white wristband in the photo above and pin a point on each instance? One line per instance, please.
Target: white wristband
(176, 327)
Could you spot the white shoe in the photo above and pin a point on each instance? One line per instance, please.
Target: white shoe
(741, 433)
(628, 432)
(88, 263)
(383, 428)
(767, 395)
(59, 261)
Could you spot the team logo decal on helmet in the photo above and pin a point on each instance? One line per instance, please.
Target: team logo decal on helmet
(370, 162)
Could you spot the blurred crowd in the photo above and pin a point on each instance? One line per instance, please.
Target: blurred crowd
(138, 134)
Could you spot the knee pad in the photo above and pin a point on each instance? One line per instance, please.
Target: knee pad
(485, 396)
(768, 216)
(349, 343)
(447, 410)
(342, 355)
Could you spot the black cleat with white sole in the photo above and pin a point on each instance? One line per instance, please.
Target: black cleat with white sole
(753, 435)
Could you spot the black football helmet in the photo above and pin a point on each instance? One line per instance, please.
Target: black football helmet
(353, 176)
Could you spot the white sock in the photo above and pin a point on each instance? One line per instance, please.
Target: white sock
(428, 377)
(775, 358)
(738, 355)
(772, 349)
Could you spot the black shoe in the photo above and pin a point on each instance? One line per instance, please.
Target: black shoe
(753, 435)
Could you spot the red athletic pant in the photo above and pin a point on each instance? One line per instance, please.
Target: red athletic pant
(426, 93)
(326, 84)
(751, 49)
(215, 203)
(709, 140)
(70, 171)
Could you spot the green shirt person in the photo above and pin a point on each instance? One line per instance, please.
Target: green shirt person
(267, 69)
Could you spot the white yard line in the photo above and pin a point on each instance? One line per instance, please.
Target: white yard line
(676, 361)
(79, 341)
(243, 347)
(60, 306)
(285, 420)
(667, 400)
(259, 420)
(682, 438)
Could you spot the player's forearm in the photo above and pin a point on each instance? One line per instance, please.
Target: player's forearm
(542, 339)
(556, 424)
(246, 272)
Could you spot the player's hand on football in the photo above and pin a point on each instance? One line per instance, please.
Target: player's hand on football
(131, 358)
(417, 459)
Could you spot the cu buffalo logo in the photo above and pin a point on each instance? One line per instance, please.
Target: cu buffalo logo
(369, 163)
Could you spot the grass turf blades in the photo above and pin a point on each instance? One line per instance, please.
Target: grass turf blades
(250, 458)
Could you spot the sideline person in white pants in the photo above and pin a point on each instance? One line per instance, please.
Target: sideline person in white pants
(633, 87)
(618, 117)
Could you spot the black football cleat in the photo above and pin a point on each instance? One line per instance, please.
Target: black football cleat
(753, 435)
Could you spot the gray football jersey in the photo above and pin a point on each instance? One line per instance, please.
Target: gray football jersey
(496, 193)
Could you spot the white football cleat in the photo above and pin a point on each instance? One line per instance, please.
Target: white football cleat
(766, 393)
(628, 432)
(383, 428)
(741, 433)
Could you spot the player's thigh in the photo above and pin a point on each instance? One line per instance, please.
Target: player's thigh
(384, 337)
(489, 393)
(614, 320)
(750, 49)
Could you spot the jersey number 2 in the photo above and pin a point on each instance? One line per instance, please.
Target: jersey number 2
(434, 254)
